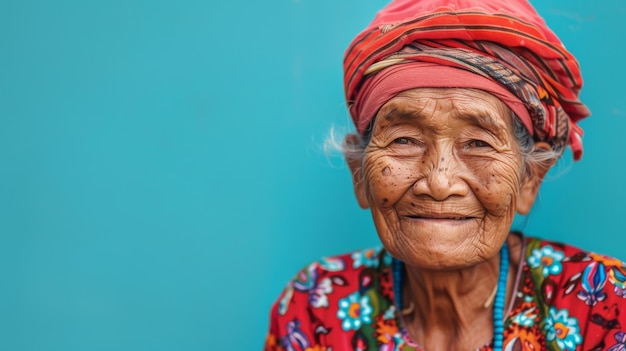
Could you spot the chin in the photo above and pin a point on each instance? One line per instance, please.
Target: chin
(447, 250)
(442, 261)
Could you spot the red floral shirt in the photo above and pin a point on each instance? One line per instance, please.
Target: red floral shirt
(567, 299)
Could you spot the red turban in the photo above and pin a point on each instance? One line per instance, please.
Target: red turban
(501, 46)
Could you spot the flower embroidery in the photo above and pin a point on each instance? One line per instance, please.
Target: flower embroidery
(354, 311)
(561, 328)
(307, 281)
(617, 276)
(523, 340)
(605, 260)
(317, 295)
(547, 258)
(387, 333)
(367, 258)
(525, 318)
(332, 264)
(295, 339)
(619, 291)
(592, 282)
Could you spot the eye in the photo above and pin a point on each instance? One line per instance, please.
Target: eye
(477, 144)
(401, 141)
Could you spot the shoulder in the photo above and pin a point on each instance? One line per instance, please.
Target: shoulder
(319, 302)
(329, 274)
(582, 290)
(554, 258)
(593, 275)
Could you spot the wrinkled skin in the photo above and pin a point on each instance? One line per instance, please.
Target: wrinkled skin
(443, 177)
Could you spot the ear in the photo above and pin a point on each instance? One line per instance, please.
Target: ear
(352, 141)
(531, 182)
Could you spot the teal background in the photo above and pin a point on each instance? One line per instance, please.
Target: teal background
(162, 169)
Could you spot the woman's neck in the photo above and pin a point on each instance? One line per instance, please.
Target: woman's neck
(454, 309)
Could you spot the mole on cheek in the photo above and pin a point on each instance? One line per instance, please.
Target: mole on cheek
(386, 171)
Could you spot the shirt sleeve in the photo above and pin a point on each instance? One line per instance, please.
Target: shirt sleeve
(291, 320)
(272, 339)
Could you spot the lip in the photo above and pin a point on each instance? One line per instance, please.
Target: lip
(441, 217)
(448, 221)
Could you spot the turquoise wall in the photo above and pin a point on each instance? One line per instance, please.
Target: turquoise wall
(162, 173)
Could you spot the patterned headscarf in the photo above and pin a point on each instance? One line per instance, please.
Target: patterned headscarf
(501, 41)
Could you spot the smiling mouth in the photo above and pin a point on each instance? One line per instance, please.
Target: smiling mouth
(455, 218)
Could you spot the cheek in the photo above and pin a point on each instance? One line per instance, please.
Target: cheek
(387, 180)
(496, 187)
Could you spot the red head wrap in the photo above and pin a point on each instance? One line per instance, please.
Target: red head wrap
(500, 46)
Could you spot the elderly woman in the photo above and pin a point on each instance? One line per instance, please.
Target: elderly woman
(460, 107)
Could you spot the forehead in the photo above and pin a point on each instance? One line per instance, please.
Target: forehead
(425, 105)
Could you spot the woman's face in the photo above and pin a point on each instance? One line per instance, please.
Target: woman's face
(443, 177)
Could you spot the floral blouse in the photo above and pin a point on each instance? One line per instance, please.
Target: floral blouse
(566, 299)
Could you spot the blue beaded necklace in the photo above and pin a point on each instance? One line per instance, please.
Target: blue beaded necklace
(498, 305)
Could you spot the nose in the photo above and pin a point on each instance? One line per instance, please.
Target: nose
(441, 179)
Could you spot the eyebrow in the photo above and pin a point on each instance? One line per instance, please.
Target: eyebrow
(394, 113)
(481, 118)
